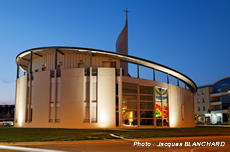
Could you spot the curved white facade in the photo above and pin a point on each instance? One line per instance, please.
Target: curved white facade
(84, 88)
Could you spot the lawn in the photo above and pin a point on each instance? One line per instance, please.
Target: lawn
(12, 134)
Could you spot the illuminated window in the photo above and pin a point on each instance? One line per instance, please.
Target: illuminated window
(31, 104)
(27, 104)
(94, 111)
(146, 105)
(52, 93)
(86, 111)
(129, 117)
(129, 113)
(57, 114)
(51, 114)
(58, 92)
(129, 104)
(86, 102)
(129, 97)
(203, 92)
(198, 93)
(58, 101)
(51, 104)
(198, 101)
(94, 103)
(94, 91)
(161, 107)
(56, 106)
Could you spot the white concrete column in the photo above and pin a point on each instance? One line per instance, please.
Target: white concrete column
(90, 94)
(55, 95)
(120, 102)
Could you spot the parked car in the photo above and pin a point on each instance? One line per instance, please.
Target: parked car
(6, 122)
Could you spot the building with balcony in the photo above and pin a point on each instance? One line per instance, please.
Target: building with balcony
(212, 102)
(71, 87)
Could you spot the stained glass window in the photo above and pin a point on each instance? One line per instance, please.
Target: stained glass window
(161, 98)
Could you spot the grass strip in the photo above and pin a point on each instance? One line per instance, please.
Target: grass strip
(12, 134)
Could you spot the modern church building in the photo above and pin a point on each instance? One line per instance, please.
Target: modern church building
(71, 87)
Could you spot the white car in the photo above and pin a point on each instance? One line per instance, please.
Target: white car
(6, 122)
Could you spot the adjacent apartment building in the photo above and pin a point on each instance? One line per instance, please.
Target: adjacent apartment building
(212, 101)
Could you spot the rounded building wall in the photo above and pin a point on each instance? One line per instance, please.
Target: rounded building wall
(73, 106)
(70, 107)
(87, 89)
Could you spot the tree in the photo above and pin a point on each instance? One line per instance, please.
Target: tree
(8, 115)
(228, 112)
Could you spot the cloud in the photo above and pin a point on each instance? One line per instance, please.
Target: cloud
(5, 81)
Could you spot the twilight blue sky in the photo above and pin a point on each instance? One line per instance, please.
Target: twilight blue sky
(191, 36)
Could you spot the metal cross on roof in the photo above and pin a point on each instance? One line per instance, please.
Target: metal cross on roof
(126, 12)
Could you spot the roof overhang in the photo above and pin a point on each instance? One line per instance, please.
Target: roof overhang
(25, 57)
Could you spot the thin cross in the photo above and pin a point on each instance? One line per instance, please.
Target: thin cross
(126, 12)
